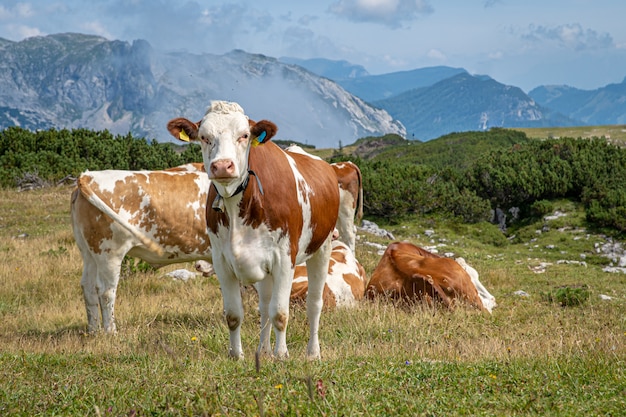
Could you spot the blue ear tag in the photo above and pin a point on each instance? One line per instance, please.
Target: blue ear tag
(259, 139)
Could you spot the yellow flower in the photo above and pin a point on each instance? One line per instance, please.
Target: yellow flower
(194, 338)
(279, 386)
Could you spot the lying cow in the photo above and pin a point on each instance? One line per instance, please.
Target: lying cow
(268, 210)
(157, 216)
(345, 283)
(409, 273)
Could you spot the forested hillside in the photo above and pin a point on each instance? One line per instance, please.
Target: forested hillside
(467, 176)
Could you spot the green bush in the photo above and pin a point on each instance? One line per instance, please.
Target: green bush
(567, 296)
(54, 154)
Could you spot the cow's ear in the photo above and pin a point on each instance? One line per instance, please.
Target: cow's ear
(183, 129)
(262, 132)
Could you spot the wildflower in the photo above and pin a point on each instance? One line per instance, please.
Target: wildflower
(321, 389)
(278, 386)
(407, 362)
(194, 338)
(492, 376)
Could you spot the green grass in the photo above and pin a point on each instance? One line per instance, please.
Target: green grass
(530, 357)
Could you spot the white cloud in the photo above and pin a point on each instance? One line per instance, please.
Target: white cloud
(18, 11)
(391, 13)
(571, 36)
(19, 32)
(96, 28)
(436, 55)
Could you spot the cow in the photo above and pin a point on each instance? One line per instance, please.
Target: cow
(157, 216)
(350, 196)
(489, 301)
(407, 272)
(267, 211)
(345, 283)
(351, 201)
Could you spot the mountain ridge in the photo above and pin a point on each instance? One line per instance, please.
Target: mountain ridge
(74, 80)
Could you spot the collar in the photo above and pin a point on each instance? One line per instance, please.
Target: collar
(218, 203)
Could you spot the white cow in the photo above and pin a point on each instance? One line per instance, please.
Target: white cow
(350, 196)
(268, 210)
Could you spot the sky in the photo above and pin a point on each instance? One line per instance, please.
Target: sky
(524, 43)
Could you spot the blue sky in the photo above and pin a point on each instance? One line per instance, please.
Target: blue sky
(525, 43)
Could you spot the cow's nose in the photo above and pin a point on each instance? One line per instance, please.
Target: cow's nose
(222, 168)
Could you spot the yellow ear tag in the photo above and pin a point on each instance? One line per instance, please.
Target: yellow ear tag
(259, 139)
(183, 136)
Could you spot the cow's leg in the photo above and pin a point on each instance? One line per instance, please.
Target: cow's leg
(264, 289)
(279, 308)
(90, 293)
(233, 307)
(317, 270)
(108, 278)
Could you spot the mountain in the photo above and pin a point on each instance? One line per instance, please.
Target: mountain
(605, 105)
(465, 102)
(356, 80)
(74, 80)
(378, 87)
(335, 70)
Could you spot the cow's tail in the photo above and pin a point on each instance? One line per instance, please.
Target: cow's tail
(359, 203)
(97, 202)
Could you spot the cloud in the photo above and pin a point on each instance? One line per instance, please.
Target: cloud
(491, 3)
(96, 28)
(303, 42)
(188, 25)
(23, 31)
(391, 13)
(19, 10)
(571, 36)
(436, 55)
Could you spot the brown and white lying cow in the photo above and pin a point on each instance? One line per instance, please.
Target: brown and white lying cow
(157, 216)
(345, 282)
(409, 273)
(268, 210)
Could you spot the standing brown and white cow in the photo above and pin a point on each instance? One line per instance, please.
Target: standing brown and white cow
(351, 201)
(410, 273)
(157, 216)
(267, 211)
(350, 197)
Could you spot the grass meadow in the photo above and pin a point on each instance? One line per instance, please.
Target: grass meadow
(530, 357)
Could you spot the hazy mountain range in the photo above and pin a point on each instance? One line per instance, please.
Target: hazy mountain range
(73, 80)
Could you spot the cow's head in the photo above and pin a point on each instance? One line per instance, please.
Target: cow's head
(225, 135)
